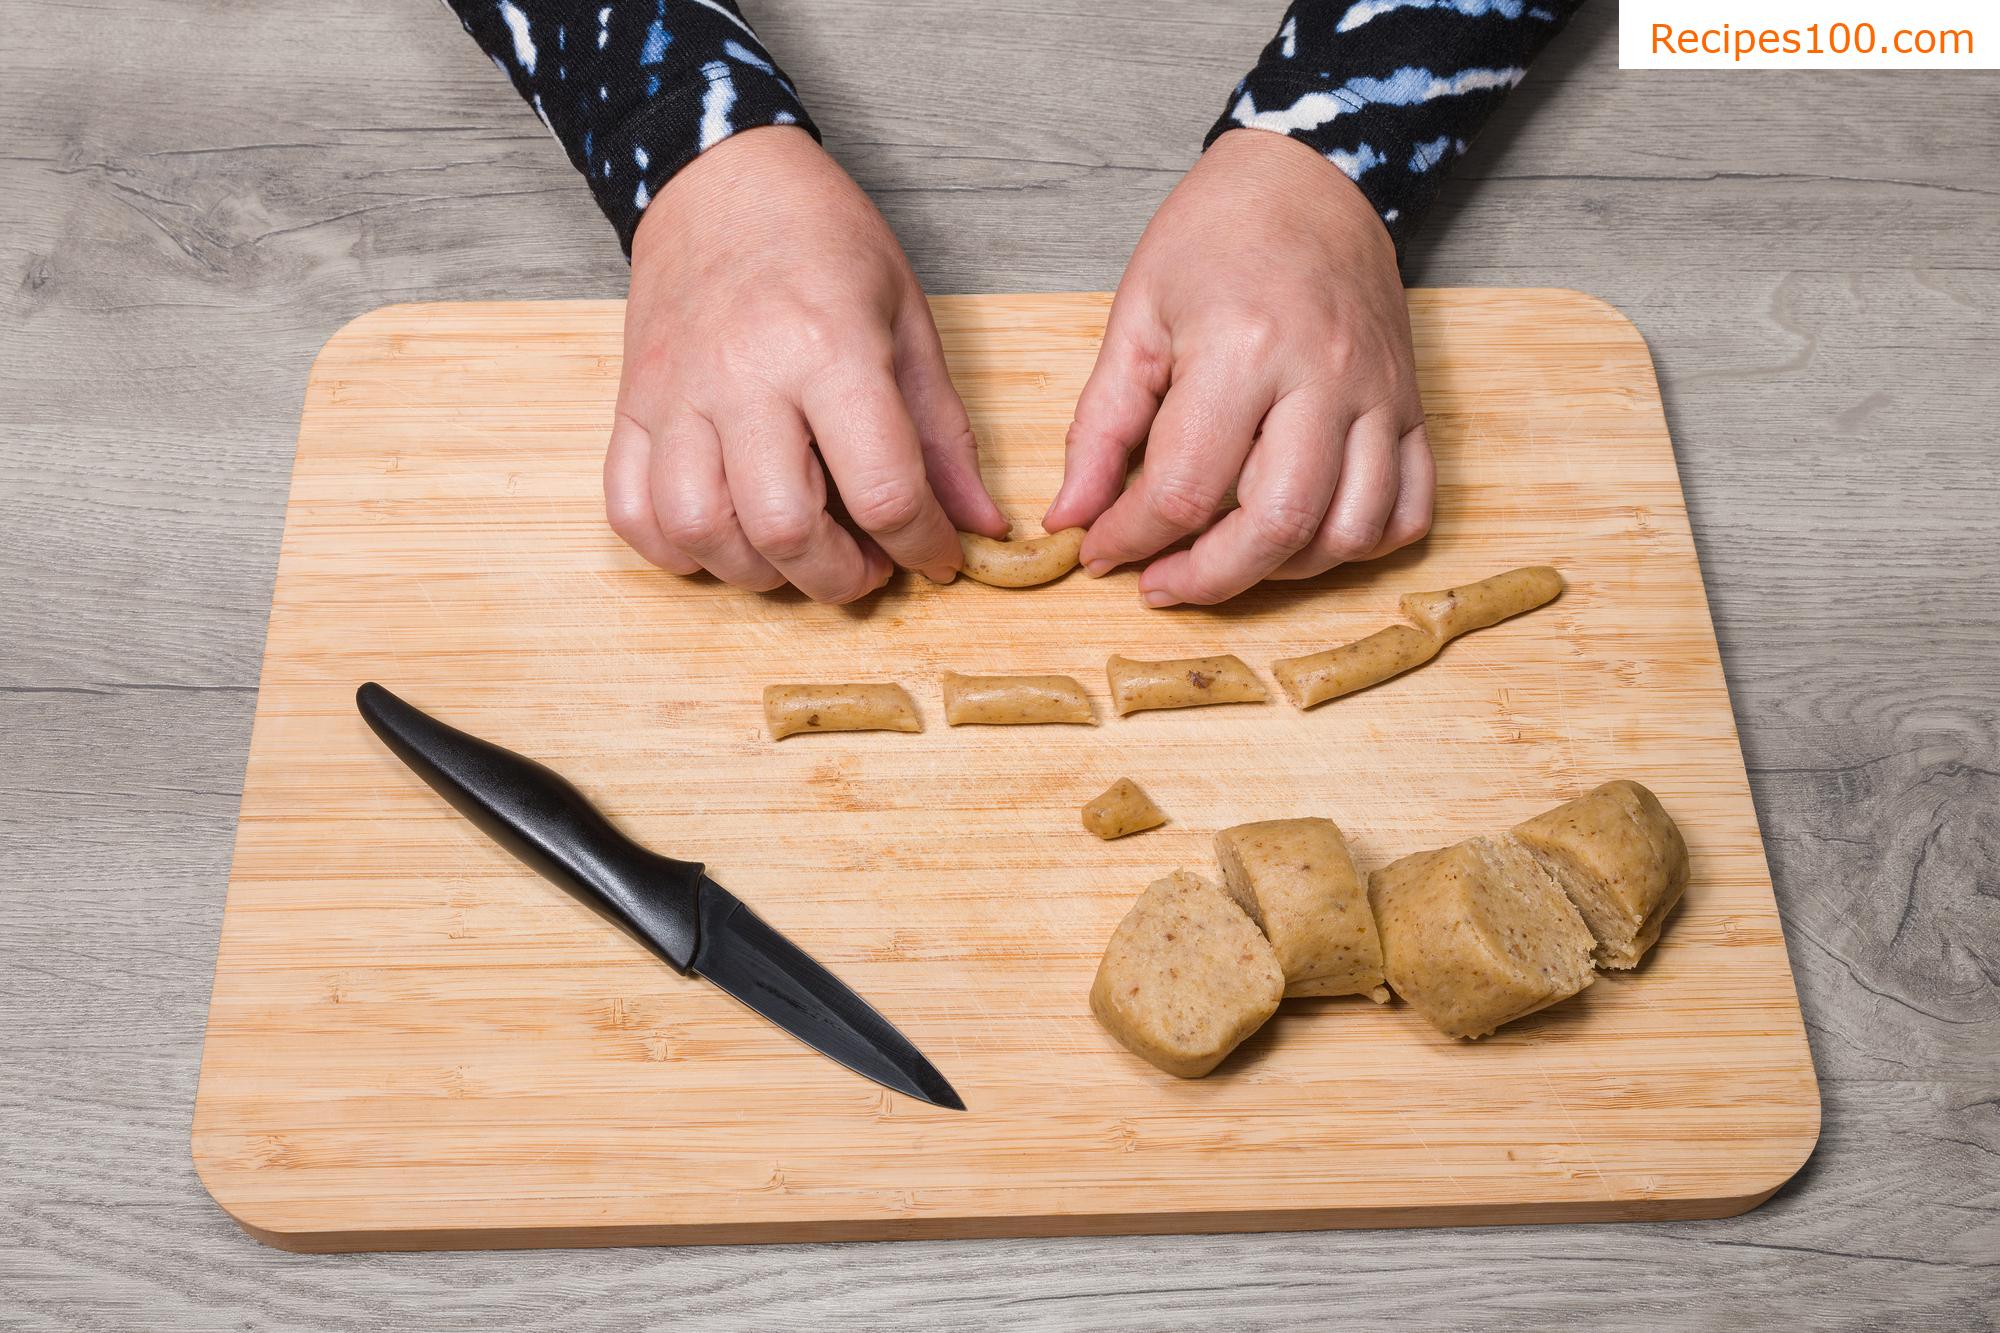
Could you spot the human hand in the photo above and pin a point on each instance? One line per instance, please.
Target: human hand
(771, 310)
(1259, 338)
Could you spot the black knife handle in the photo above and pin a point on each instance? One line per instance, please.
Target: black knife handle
(535, 813)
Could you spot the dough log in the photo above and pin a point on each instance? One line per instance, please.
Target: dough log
(1298, 881)
(1021, 564)
(1187, 682)
(1478, 935)
(790, 709)
(1317, 677)
(1622, 861)
(1121, 809)
(1014, 701)
(1455, 611)
(1187, 976)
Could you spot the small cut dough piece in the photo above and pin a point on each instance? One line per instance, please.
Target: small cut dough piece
(1478, 935)
(1455, 611)
(1014, 701)
(1120, 810)
(790, 709)
(1021, 564)
(1298, 881)
(1186, 682)
(1317, 677)
(1187, 976)
(1621, 860)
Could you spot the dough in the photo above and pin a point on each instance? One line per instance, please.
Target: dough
(1187, 682)
(1317, 677)
(789, 709)
(1478, 935)
(1122, 809)
(1620, 859)
(1298, 881)
(1186, 977)
(1014, 701)
(1454, 611)
(1020, 564)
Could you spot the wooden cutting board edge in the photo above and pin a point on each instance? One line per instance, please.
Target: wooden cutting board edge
(305, 1239)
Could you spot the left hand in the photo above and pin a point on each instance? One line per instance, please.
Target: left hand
(1259, 338)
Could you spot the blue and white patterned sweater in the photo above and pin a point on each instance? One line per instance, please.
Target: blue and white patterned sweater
(1389, 91)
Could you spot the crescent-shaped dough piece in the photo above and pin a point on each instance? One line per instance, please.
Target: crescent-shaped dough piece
(1021, 564)
(1478, 934)
(1317, 677)
(1184, 682)
(1622, 861)
(1014, 701)
(1450, 612)
(1186, 977)
(1120, 809)
(791, 709)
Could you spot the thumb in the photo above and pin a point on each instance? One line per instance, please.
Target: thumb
(951, 452)
(1113, 415)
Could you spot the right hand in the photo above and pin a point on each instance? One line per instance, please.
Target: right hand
(771, 310)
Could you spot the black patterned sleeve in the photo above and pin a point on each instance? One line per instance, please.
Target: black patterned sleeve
(634, 89)
(1390, 91)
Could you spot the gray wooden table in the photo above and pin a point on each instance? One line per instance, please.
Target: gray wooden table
(194, 195)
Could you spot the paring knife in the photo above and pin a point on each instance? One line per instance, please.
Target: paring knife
(685, 917)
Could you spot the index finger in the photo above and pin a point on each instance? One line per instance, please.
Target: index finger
(870, 446)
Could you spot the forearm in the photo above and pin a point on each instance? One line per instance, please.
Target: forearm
(634, 89)
(1391, 91)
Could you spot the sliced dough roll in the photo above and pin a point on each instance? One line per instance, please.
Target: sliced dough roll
(1014, 701)
(792, 709)
(1298, 881)
(1317, 677)
(1182, 682)
(1622, 861)
(1187, 976)
(1448, 613)
(1478, 935)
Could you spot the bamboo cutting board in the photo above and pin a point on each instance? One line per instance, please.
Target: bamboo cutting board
(414, 1042)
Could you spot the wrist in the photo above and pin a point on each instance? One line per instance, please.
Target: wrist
(1281, 165)
(733, 174)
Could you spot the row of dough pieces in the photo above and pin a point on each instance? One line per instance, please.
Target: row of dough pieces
(1472, 936)
(1188, 682)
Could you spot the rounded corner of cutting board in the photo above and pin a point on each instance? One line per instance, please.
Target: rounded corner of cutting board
(1594, 307)
(220, 1188)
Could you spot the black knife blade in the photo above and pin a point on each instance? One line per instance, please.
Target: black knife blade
(740, 952)
(673, 907)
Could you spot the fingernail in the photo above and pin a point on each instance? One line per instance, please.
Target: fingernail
(941, 573)
(1157, 599)
(1097, 569)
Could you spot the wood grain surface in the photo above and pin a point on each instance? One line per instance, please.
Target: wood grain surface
(194, 196)
(417, 1043)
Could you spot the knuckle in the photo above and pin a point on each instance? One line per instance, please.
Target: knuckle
(886, 506)
(699, 530)
(1350, 539)
(783, 534)
(627, 513)
(1404, 531)
(1286, 525)
(959, 442)
(1253, 337)
(1184, 502)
